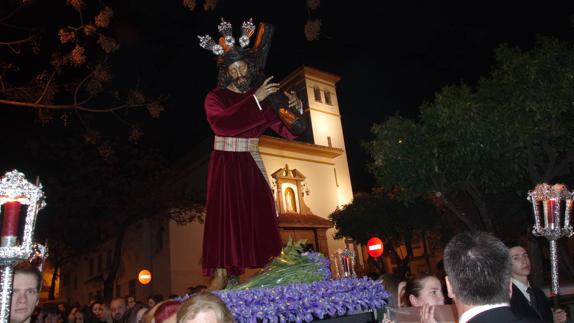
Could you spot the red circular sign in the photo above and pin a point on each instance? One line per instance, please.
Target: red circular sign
(144, 277)
(375, 247)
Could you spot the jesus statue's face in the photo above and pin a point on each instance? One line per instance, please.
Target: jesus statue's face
(240, 74)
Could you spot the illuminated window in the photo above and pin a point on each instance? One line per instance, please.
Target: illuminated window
(328, 98)
(317, 94)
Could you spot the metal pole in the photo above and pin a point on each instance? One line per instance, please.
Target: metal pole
(555, 289)
(6, 296)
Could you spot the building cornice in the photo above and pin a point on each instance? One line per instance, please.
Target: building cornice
(296, 220)
(313, 74)
(299, 147)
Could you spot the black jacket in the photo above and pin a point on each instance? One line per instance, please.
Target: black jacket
(522, 309)
(500, 315)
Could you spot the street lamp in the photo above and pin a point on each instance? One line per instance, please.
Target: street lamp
(552, 207)
(15, 191)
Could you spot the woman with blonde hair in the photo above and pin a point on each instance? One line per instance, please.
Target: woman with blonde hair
(204, 307)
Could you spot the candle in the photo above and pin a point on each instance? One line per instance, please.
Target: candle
(549, 206)
(349, 262)
(11, 219)
(336, 265)
(558, 213)
(536, 209)
(345, 266)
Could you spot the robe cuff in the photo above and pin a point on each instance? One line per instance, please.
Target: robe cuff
(257, 101)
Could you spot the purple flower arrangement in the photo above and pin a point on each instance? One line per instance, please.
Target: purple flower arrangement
(305, 302)
(323, 266)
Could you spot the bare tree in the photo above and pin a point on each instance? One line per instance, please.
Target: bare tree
(61, 66)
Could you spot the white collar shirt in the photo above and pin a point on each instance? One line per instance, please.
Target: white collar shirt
(468, 315)
(522, 288)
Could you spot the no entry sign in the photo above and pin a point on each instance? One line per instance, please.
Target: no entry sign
(375, 247)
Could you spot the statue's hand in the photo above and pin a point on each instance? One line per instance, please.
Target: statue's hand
(294, 101)
(266, 89)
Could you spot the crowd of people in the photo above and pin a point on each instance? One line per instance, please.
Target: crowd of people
(485, 280)
(197, 306)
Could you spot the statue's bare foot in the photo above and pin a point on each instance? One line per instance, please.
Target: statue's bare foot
(219, 280)
(217, 283)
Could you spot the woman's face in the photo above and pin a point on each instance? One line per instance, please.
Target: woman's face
(430, 294)
(72, 315)
(98, 310)
(205, 316)
(151, 303)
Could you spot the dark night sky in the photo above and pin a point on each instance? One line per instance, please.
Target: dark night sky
(392, 56)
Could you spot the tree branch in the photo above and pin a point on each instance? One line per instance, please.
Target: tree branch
(46, 88)
(478, 199)
(79, 86)
(11, 14)
(11, 44)
(458, 213)
(79, 106)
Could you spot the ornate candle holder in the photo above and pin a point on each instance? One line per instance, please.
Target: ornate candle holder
(552, 208)
(15, 191)
(344, 262)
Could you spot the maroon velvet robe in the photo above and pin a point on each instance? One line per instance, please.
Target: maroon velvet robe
(241, 224)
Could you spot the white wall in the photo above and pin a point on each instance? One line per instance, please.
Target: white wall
(185, 245)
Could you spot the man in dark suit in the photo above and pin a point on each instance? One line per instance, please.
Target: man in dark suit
(529, 301)
(478, 272)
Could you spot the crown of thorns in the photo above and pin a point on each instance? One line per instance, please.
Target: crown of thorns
(226, 41)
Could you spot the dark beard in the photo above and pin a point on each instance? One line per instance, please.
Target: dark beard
(244, 86)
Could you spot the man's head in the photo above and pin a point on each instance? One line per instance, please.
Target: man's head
(118, 308)
(153, 300)
(131, 301)
(25, 294)
(520, 260)
(236, 67)
(478, 269)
